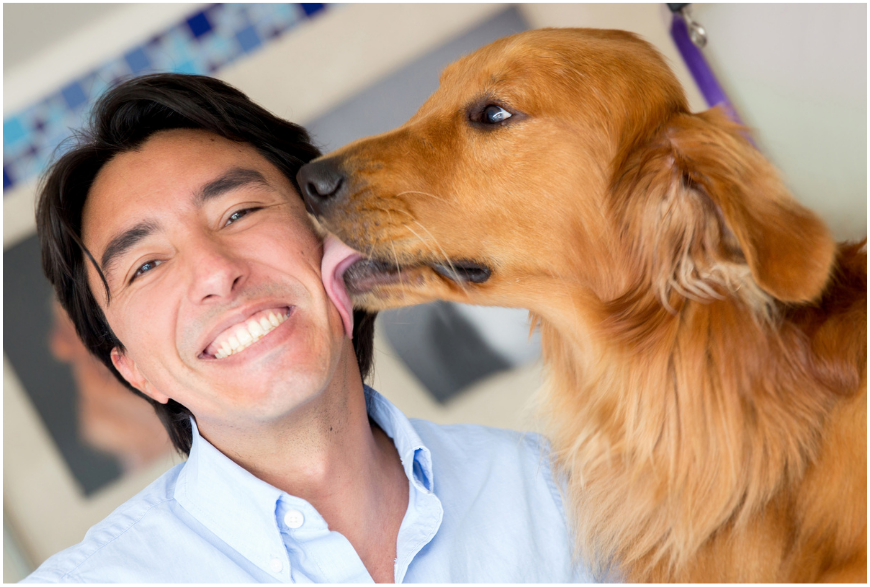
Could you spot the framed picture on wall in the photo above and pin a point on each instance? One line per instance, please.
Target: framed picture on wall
(76, 442)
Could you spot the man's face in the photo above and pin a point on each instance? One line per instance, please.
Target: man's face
(199, 239)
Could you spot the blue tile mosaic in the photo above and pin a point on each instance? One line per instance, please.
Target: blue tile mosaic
(199, 24)
(248, 39)
(137, 60)
(13, 131)
(186, 67)
(74, 95)
(201, 43)
(312, 8)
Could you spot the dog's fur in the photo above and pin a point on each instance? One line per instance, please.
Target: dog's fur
(704, 337)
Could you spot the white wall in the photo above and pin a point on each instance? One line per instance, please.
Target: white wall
(797, 75)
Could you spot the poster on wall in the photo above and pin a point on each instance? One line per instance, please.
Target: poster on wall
(102, 429)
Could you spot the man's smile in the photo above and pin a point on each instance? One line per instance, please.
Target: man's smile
(243, 332)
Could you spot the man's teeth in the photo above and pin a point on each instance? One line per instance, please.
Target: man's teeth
(248, 333)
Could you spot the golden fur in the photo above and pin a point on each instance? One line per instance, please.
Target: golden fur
(704, 337)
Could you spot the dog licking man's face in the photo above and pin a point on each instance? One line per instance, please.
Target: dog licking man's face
(476, 192)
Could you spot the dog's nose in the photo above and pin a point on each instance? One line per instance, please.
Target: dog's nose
(322, 182)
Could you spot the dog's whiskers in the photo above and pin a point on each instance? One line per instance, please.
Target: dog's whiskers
(396, 257)
(433, 251)
(440, 199)
(443, 253)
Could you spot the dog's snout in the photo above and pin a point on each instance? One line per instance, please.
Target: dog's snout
(322, 182)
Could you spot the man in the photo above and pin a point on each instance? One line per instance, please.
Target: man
(177, 242)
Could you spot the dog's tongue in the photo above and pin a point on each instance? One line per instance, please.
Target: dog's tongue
(337, 257)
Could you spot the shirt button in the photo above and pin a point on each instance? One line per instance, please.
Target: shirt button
(276, 565)
(294, 519)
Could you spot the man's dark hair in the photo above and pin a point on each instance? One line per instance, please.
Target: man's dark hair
(122, 120)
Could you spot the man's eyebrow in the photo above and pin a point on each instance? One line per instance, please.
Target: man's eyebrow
(124, 242)
(232, 179)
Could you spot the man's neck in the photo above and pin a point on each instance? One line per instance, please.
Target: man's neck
(332, 455)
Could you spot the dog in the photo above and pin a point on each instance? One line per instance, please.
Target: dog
(704, 338)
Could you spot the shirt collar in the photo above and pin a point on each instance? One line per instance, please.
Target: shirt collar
(425, 512)
(416, 457)
(241, 509)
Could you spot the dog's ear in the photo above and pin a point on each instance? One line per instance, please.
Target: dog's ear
(728, 205)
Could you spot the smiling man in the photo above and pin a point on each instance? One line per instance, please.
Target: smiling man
(176, 240)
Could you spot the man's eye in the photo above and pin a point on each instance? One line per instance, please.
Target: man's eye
(144, 268)
(239, 214)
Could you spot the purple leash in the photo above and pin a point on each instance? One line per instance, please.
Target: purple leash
(690, 37)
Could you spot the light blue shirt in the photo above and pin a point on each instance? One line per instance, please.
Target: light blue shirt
(483, 507)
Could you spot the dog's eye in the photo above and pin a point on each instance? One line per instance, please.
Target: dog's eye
(493, 114)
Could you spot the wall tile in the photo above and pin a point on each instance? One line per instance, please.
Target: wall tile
(202, 43)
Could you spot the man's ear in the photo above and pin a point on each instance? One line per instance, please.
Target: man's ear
(128, 369)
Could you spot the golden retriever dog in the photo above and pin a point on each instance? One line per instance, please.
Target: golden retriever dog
(704, 338)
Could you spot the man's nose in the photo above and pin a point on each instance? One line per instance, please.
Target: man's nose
(323, 183)
(216, 273)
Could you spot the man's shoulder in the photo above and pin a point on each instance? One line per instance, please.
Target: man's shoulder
(109, 542)
(502, 502)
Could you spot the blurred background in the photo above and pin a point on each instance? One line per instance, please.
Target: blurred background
(77, 444)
